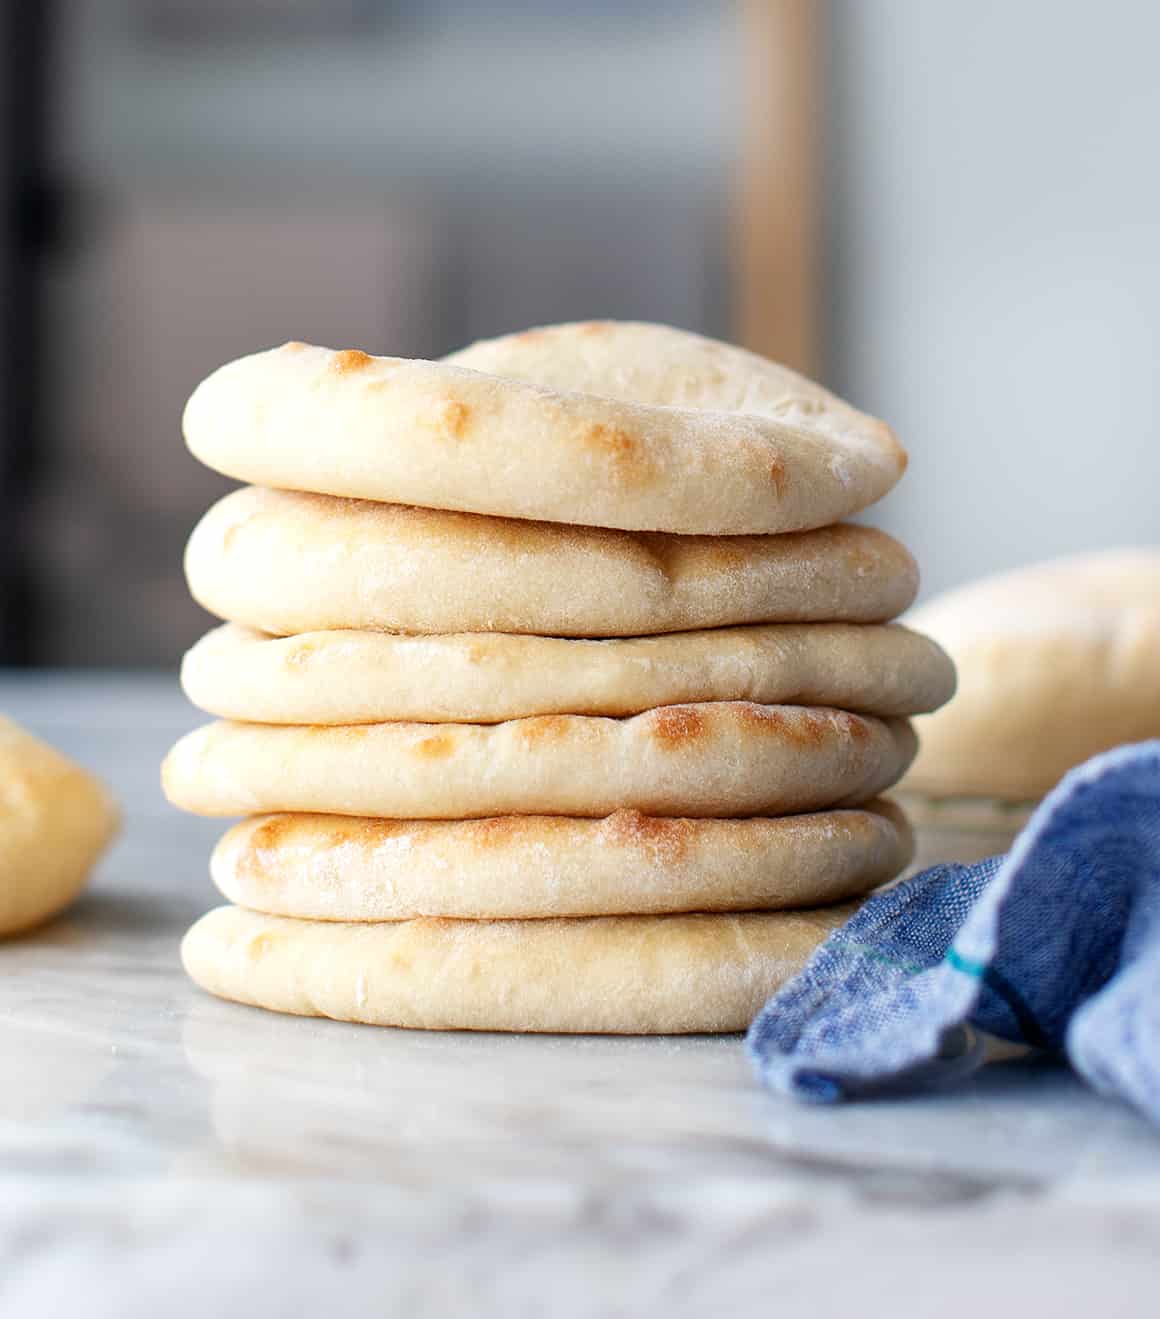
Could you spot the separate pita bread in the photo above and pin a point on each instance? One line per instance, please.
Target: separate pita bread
(635, 426)
(613, 975)
(722, 759)
(55, 821)
(477, 677)
(332, 867)
(287, 563)
(1057, 661)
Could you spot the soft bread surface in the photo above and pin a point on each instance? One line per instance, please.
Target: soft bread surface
(621, 975)
(723, 759)
(607, 424)
(349, 677)
(286, 562)
(333, 867)
(1056, 662)
(55, 821)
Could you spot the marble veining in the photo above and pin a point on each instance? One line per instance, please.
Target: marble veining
(165, 1152)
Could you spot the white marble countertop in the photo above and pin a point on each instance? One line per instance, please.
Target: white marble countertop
(165, 1153)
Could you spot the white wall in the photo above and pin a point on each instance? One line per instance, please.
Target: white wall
(995, 268)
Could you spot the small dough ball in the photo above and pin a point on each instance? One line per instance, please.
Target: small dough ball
(55, 821)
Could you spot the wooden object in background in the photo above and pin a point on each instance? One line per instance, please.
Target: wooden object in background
(776, 245)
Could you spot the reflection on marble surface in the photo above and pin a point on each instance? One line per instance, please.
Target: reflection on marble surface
(149, 1133)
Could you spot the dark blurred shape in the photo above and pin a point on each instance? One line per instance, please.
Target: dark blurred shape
(25, 224)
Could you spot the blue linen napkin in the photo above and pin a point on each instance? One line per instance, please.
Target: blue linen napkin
(1056, 944)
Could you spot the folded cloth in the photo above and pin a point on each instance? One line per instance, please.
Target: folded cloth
(1056, 945)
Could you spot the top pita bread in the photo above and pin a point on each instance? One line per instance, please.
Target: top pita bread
(1056, 662)
(605, 424)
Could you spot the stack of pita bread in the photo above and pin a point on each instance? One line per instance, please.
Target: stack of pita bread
(557, 693)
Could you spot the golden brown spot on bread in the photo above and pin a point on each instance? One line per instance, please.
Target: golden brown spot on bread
(778, 475)
(258, 946)
(306, 835)
(454, 417)
(593, 328)
(665, 839)
(799, 726)
(350, 359)
(726, 552)
(804, 726)
(294, 346)
(496, 831)
(270, 832)
(856, 729)
(436, 747)
(356, 827)
(543, 728)
(335, 732)
(612, 440)
(251, 861)
(620, 447)
(677, 725)
(529, 336)
(449, 417)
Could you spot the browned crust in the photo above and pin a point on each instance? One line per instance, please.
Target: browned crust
(678, 726)
(348, 360)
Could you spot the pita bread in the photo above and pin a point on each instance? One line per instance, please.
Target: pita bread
(286, 563)
(611, 975)
(641, 427)
(1057, 662)
(332, 867)
(351, 677)
(722, 759)
(55, 821)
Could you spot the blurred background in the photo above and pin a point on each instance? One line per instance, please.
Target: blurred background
(948, 212)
